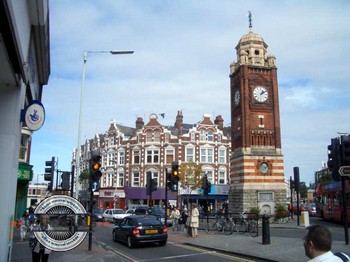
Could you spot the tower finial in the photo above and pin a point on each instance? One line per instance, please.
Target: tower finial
(250, 20)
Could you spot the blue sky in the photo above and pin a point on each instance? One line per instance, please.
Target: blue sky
(183, 50)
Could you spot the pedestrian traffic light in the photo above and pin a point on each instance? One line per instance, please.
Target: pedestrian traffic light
(204, 182)
(49, 172)
(168, 179)
(95, 165)
(333, 162)
(174, 180)
(207, 186)
(345, 150)
(65, 184)
(154, 184)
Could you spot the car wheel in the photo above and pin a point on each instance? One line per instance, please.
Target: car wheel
(162, 243)
(130, 243)
(114, 237)
(114, 221)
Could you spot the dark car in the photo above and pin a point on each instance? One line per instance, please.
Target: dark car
(154, 211)
(97, 215)
(140, 229)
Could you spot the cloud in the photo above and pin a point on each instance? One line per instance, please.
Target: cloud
(181, 62)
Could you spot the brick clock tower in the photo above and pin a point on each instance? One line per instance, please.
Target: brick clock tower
(257, 172)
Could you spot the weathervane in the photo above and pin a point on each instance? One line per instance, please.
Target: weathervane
(250, 19)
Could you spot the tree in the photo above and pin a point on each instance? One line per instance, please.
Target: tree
(190, 177)
(84, 178)
(303, 190)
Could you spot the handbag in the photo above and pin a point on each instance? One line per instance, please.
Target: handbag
(32, 243)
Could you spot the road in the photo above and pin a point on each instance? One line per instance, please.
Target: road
(153, 252)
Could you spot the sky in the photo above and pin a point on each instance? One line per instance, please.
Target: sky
(182, 55)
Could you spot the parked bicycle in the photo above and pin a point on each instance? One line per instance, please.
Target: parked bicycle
(224, 225)
(247, 225)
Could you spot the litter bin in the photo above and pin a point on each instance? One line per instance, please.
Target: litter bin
(305, 221)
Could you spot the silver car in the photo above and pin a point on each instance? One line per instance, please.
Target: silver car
(114, 215)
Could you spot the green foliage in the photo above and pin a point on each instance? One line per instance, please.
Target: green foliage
(190, 176)
(84, 178)
(255, 210)
(281, 208)
(281, 212)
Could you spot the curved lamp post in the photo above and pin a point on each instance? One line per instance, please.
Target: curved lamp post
(77, 157)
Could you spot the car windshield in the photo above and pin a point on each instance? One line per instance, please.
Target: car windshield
(118, 211)
(157, 211)
(147, 221)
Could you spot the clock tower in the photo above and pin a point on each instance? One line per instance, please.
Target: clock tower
(257, 170)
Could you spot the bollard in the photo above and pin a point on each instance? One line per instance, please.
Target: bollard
(265, 230)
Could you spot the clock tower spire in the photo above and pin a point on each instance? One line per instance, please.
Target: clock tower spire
(257, 172)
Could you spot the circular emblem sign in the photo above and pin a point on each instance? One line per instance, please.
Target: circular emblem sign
(34, 115)
(66, 215)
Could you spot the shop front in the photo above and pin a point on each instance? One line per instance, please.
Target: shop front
(24, 175)
(111, 198)
(136, 196)
(213, 202)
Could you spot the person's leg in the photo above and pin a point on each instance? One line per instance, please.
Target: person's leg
(45, 257)
(35, 257)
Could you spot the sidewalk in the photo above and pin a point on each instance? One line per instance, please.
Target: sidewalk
(22, 253)
(285, 248)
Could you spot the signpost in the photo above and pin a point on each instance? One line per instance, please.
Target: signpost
(344, 170)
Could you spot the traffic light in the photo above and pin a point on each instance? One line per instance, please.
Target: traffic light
(149, 182)
(154, 184)
(345, 150)
(207, 186)
(95, 172)
(168, 179)
(204, 182)
(296, 178)
(65, 184)
(333, 162)
(174, 180)
(49, 172)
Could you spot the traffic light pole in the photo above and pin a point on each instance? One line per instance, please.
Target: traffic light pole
(166, 196)
(90, 219)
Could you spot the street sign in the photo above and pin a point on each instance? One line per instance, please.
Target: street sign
(344, 170)
(95, 186)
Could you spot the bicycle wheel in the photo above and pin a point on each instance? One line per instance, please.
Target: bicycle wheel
(241, 226)
(253, 228)
(212, 227)
(228, 227)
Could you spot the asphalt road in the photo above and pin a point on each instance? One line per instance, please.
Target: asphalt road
(153, 252)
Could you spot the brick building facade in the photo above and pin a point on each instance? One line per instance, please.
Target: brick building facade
(129, 154)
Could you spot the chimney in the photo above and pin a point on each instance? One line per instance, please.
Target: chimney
(179, 121)
(139, 123)
(219, 122)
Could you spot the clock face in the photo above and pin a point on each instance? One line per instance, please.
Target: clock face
(260, 94)
(237, 97)
(264, 167)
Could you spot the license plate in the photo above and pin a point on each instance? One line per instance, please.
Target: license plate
(151, 231)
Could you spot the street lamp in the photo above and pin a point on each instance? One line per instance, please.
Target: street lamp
(112, 52)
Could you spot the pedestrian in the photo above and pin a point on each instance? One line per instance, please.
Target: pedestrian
(39, 251)
(184, 217)
(24, 225)
(225, 209)
(188, 224)
(194, 220)
(175, 216)
(318, 244)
